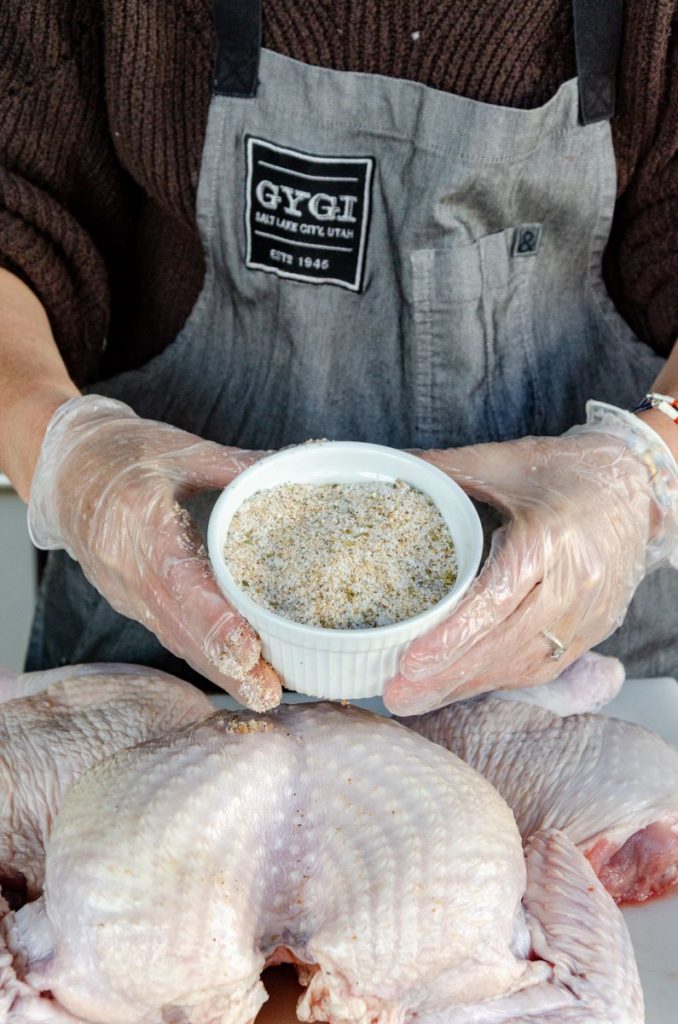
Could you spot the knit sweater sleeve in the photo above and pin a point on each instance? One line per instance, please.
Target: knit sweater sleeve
(63, 203)
(642, 257)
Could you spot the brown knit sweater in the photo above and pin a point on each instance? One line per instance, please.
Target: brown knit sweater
(103, 107)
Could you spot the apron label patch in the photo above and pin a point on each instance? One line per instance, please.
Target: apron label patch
(307, 217)
(526, 239)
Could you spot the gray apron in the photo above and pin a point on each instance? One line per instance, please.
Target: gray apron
(391, 263)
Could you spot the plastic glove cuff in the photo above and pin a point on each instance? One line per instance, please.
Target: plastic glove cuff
(662, 469)
(63, 432)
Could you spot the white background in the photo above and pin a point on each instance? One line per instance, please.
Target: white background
(17, 578)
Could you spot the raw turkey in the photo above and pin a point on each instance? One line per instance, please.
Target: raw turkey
(388, 870)
(611, 786)
(588, 684)
(53, 727)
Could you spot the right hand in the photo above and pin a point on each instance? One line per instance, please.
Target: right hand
(107, 488)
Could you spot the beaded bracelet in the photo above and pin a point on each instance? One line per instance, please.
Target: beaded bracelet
(664, 403)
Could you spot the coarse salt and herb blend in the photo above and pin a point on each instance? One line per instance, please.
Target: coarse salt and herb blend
(342, 556)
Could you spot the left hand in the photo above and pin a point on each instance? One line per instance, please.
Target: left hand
(581, 512)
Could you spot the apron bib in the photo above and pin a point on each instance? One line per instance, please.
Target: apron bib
(387, 262)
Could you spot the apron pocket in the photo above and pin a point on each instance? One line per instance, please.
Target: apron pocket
(473, 367)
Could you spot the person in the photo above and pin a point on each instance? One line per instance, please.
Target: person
(401, 221)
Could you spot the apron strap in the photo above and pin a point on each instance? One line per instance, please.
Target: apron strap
(238, 31)
(597, 40)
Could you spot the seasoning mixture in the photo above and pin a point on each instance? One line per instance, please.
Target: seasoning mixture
(342, 556)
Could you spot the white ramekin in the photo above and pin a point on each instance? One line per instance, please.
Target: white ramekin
(343, 663)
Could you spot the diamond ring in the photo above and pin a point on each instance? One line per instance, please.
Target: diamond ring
(558, 647)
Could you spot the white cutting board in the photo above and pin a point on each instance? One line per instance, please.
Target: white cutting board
(654, 925)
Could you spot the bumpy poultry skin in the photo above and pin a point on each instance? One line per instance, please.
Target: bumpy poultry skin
(611, 786)
(326, 835)
(589, 683)
(54, 726)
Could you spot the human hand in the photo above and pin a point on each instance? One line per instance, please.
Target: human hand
(108, 488)
(589, 513)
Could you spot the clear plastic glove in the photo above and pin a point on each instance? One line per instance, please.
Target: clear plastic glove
(589, 514)
(107, 488)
